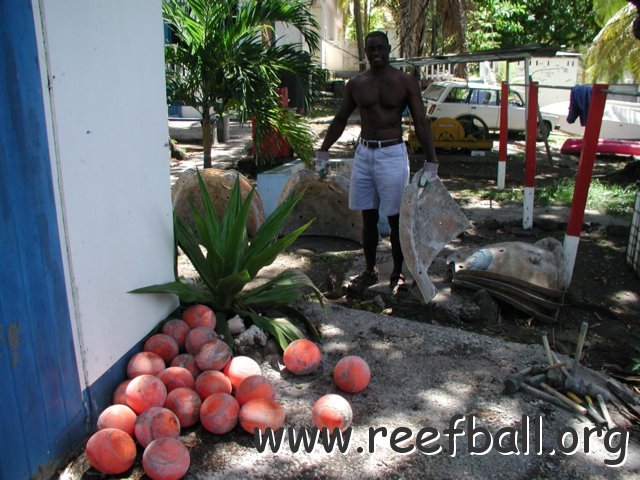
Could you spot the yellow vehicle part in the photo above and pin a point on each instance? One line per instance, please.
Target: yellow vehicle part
(450, 133)
(447, 130)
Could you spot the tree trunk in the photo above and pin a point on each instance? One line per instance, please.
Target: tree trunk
(357, 12)
(412, 23)
(207, 140)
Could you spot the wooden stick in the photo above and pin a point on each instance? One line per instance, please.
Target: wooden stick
(593, 412)
(552, 358)
(580, 344)
(562, 368)
(547, 349)
(605, 412)
(564, 399)
(541, 395)
(574, 397)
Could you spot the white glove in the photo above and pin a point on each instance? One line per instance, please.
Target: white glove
(322, 162)
(429, 173)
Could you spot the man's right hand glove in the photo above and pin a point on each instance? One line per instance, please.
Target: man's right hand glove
(429, 173)
(322, 163)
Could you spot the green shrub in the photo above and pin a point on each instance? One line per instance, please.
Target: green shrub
(232, 260)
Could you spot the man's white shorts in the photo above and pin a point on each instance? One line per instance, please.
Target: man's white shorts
(378, 178)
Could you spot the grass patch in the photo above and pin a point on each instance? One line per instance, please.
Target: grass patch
(506, 195)
(610, 199)
(332, 258)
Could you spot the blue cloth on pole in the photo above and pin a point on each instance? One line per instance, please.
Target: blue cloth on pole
(579, 101)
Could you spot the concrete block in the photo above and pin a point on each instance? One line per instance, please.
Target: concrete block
(271, 182)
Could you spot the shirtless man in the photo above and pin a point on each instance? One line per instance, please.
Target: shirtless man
(380, 169)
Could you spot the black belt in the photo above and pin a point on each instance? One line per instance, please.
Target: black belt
(380, 143)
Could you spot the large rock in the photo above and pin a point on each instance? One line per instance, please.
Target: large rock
(219, 183)
(327, 201)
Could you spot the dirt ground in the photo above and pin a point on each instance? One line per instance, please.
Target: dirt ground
(604, 291)
(441, 336)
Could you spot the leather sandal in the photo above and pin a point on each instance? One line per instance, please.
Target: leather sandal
(362, 281)
(398, 284)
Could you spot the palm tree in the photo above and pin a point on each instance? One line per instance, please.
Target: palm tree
(357, 13)
(221, 61)
(614, 51)
(411, 16)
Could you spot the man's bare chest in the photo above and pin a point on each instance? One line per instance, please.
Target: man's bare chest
(380, 94)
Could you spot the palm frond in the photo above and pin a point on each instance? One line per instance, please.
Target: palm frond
(614, 51)
(605, 9)
(222, 61)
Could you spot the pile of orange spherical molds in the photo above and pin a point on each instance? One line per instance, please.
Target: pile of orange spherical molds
(351, 374)
(186, 377)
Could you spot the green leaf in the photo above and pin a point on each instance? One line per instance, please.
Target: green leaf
(272, 225)
(208, 225)
(235, 221)
(298, 315)
(283, 289)
(222, 327)
(230, 285)
(263, 250)
(282, 329)
(185, 291)
(269, 254)
(186, 240)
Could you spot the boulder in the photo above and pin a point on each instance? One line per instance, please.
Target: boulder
(327, 201)
(219, 184)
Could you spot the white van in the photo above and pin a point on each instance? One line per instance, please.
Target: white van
(479, 103)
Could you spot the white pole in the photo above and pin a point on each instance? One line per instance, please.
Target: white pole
(527, 208)
(502, 168)
(570, 251)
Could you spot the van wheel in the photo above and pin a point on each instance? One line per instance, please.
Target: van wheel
(544, 130)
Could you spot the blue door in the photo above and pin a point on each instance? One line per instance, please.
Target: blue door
(41, 410)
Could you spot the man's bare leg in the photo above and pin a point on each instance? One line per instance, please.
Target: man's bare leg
(396, 250)
(370, 238)
(369, 276)
(396, 280)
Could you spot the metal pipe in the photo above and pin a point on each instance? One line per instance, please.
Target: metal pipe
(565, 87)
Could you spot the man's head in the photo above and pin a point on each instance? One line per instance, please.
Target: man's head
(377, 48)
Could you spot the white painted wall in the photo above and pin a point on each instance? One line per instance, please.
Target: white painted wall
(336, 53)
(563, 70)
(108, 136)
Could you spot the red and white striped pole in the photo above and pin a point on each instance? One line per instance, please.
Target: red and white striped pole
(530, 156)
(504, 134)
(583, 179)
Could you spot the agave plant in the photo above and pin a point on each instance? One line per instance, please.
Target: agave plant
(232, 260)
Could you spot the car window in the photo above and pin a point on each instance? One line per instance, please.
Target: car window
(483, 97)
(457, 95)
(433, 92)
(515, 99)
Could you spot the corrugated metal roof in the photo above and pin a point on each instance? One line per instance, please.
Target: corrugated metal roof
(505, 54)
